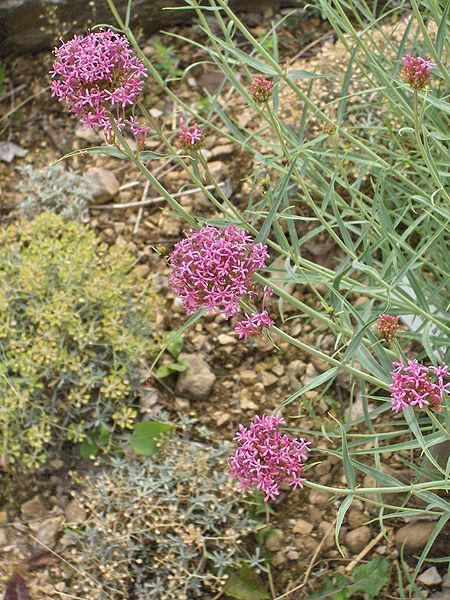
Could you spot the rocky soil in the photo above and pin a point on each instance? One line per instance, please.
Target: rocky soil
(226, 382)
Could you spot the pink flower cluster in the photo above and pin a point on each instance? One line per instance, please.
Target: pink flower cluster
(388, 325)
(98, 76)
(213, 268)
(261, 89)
(254, 324)
(416, 71)
(190, 138)
(266, 458)
(413, 386)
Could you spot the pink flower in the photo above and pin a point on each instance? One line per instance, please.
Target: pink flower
(266, 458)
(261, 89)
(388, 325)
(213, 268)
(413, 386)
(139, 130)
(416, 71)
(97, 76)
(254, 324)
(190, 138)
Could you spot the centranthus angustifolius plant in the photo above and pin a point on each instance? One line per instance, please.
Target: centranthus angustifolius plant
(75, 327)
(362, 174)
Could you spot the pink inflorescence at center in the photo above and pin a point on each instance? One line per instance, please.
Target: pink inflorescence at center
(418, 386)
(190, 138)
(261, 89)
(213, 268)
(266, 458)
(416, 71)
(387, 325)
(98, 76)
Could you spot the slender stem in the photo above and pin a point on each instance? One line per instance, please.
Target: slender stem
(417, 487)
(420, 143)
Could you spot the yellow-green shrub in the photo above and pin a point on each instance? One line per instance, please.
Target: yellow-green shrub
(74, 326)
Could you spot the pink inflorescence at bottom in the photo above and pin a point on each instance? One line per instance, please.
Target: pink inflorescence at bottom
(213, 268)
(418, 386)
(266, 458)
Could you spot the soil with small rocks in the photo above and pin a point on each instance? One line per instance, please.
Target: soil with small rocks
(226, 382)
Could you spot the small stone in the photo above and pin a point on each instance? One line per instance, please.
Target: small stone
(48, 530)
(356, 519)
(196, 382)
(293, 555)
(430, 577)
(221, 151)
(274, 540)
(149, 396)
(34, 508)
(75, 512)
(218, 170)
(103, 183)
(327, 531)
(87, 134)
(225, 339)
(414, 536)
(323, 468)
(248, 376)
(319, 498)
(182, 404)
(358, 538)
(3, 537)
(302, 527)
(268, 379)
(3, 517)
(140, 271)
(156, 113)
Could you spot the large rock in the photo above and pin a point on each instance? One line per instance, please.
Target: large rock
(197, 380)
(33, 25)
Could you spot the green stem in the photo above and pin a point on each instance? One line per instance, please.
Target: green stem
(420, 143)
(417, 487)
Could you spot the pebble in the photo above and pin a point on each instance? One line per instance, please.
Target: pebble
(274, 540)
(3, 537)
(319, 498)
(103, 183)
(355, 518)
(414, 535)
(248, 376)
(302, 527)
(430, 577)
(141, 271)
(358, 538)
(225, 339)
(222, 151)
(196, 382)
(328, 534)
(268, 379)
(48, 530)
(75, 512)
(33, 508)
(293, 555)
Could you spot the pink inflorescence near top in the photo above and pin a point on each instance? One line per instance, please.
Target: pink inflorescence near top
(98, 76)
(388, 325)
(261, 89)
(190, 138)
(416, 71)
(266, 457)
(254, 324)
(213, 268)
(417, 385)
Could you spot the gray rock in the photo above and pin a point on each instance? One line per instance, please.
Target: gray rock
(196, 382)
(358, 538)
(102, 182)
(430, 577)
(355, 518)
(319, 498)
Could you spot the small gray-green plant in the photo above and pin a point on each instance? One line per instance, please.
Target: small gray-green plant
(169, 527)
(54, 189)
(75, 325)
